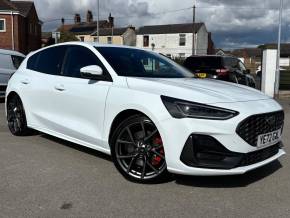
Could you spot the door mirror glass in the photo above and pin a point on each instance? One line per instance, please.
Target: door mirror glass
(91, 72)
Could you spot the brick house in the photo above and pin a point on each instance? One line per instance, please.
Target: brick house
(20, 27)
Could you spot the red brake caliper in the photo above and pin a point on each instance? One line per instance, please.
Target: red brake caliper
(156, 143)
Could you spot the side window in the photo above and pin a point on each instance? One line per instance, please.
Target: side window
(32, 61)
(154, 66)
(50, 60)
(78, 57)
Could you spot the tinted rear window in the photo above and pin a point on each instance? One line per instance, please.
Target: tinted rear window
(231, 62)
(32, 61)
(194, 63)
(48, 61)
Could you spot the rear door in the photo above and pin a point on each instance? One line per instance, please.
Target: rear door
(38, 89)
(80, 103)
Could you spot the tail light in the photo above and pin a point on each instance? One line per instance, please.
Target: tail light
(222, 72)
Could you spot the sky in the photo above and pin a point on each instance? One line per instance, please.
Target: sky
(233, 23)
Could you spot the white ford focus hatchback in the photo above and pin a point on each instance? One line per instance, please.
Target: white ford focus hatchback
(144, 110)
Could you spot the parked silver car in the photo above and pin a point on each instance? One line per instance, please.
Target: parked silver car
(9, 63)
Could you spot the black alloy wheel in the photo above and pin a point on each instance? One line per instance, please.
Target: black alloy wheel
(16, 117)
(137, 150)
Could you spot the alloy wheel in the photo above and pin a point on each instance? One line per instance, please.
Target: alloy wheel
(15, 116)
(139, 150)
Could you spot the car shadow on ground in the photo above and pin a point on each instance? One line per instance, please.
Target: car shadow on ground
(194, 181)
(77, 147)
(230, 181)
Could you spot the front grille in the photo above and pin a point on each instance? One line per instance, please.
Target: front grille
(256, 125)
(258, 156)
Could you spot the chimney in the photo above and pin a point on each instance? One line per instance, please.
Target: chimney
(131, 27)
(77, 19)
(62, 21)
(111, 21)
(89, 16)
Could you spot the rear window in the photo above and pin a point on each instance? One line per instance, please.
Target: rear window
(32, 61)
(231, 62)
(48, 61)
(194, 63)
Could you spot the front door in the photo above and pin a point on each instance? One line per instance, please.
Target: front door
(80, 102)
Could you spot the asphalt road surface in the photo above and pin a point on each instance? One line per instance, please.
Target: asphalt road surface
(41, 176)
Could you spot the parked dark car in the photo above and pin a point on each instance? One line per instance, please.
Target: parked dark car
(225, 68)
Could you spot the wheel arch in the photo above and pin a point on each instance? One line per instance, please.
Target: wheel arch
(9, 96)
(121, 116)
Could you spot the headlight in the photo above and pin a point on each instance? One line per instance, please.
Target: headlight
(185, 109)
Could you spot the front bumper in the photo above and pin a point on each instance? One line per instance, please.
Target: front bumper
(175, 134)
(218, 172)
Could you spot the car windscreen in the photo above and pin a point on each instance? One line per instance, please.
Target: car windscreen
(139, 63)
(196, 63)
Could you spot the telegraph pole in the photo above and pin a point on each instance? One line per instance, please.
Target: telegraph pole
(98, 21)
(277, 78)
(193, 27)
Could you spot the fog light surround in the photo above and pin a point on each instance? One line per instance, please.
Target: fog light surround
(204, 151)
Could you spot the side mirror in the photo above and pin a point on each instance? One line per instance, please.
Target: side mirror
(92, 72)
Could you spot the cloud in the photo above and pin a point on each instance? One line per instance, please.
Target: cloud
(233, 23)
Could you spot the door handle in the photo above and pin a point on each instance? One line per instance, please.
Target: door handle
(25, 81)
(60, 88)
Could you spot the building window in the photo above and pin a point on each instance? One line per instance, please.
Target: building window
(182, 39)
(96, 39)
(2, 25)
(145, 41)
(109, 40)
(182, 55)
(82, 38)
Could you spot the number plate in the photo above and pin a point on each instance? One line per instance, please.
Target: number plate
(201, 75)
(270, 138)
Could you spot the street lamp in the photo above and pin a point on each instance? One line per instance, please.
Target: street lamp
(277, 78)
(98, 21)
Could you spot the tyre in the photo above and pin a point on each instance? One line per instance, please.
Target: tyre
(16, 117)
(137, 150)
